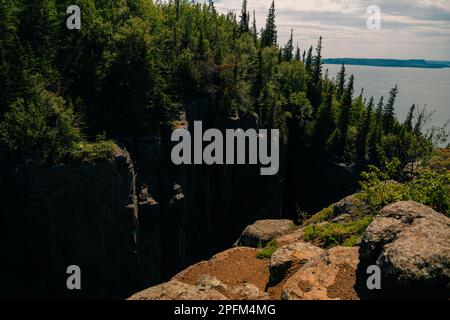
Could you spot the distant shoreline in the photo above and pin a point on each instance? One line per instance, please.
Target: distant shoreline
(412, 63)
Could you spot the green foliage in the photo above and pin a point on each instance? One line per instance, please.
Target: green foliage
(334, 234)
(267, 251)
(41, 127)
(429, 188)
(91, 152)
(135, 65)
(321, 216)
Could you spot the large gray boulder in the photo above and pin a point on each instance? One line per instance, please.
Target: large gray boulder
(263, 231)
(411, 244)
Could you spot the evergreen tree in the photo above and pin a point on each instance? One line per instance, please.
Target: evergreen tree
(340, 81)
(309, 60)
(409, 118)
(325, 122)
(388, 113)
(344, 121)
(269, 35)
(254, 30)
(289, 48)
(315, 82)
(379, 110)
(363, 134)
(297, 54)
(245, 19)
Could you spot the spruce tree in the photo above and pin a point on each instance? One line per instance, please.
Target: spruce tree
(379, 110)
(309, 60)
(314, 90)
(409, 118)
(340, 81)
(388, 113)
(245, 19)
(289, 48)
(363, 134)
(344, 121)
(254, 30)
(325, 123)
(269, 35)
(297, 54)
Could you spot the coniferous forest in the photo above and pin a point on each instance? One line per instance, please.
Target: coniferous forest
(134, 65)
(140, 68)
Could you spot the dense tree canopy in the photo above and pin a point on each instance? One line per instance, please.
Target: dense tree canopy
(135, 65)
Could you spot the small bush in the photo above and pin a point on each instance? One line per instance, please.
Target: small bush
(267, 251)
(335, 234)
(323, 215)
(429, 188)
(91, 152)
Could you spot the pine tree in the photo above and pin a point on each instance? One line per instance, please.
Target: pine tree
(309, 60)
(297, 54)
(388, 113)
(340, 81)
(269, 35)
(344, 121)
(363, 134)
(325, 122)
(409, 118)
(254, 30)
(245, 19)
(379, 110)
(314, 90)
(289, 48)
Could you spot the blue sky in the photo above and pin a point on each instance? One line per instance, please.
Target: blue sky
(409, 28)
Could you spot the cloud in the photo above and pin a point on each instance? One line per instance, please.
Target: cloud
(410, 28)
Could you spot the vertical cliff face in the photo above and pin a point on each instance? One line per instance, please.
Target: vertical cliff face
(136, 220)
(58, 216)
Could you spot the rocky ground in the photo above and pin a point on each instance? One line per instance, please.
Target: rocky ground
(408, 241)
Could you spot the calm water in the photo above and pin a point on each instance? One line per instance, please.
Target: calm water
(430, 87)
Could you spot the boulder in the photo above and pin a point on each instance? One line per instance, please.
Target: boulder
(176, 290)
(330, 276)
(411, 244)
(245, 291)
(263, 231)
(295, 236)
(286, 257)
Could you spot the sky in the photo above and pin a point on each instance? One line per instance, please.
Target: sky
(410, 29)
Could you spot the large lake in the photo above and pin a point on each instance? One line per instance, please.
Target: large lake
(430, 87)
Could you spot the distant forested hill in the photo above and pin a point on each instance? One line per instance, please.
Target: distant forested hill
(413, 63)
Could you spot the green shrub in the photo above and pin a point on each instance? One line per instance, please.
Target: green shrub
(334, 234)
(321, 216)
(267, 251)
(41, 127)
(91, 152)
(429, 188)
